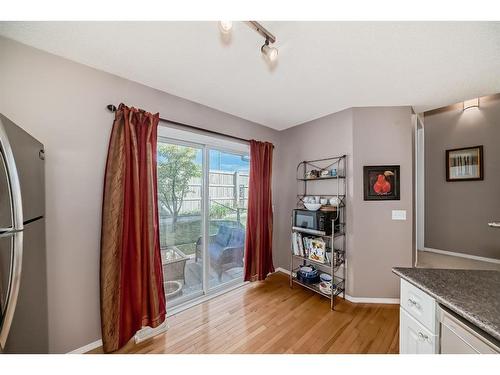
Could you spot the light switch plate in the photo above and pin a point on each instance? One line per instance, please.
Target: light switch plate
(398, 214)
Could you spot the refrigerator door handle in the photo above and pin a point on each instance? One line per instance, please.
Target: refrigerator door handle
(16, 231)
(13, 179)
(4, 232)
(13, 288)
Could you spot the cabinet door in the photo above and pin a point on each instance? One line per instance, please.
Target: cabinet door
(414, 338)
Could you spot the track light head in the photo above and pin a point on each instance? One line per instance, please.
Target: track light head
(225, 26)
(270, 52)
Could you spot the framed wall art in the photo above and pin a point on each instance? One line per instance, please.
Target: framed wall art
(465, 164)
(381, 182)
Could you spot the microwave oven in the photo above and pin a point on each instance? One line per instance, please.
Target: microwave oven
(314, 221)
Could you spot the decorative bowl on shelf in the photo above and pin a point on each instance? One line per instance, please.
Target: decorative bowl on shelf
(312, 206)
(325, 287)
(325, 277)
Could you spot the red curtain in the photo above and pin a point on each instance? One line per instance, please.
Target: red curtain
(259, 236)
(132, 294)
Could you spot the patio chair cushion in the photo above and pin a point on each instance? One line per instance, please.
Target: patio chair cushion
(223, 235)
(215, 251)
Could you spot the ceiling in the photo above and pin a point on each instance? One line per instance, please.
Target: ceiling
(323, 67)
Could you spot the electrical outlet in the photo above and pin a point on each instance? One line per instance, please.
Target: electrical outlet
(398, 214)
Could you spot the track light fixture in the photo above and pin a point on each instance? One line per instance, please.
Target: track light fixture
(225, 26)
(271, 53)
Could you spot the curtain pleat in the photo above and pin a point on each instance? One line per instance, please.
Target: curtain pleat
(259, 235)
(132, 294)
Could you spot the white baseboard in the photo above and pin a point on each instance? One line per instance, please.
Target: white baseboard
(148, 332)
(460, 255)
(282, 270)
(383, 301)
(140, 336)
(391, 301)
(87, 348)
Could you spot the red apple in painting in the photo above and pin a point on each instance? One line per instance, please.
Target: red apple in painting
(382, 186)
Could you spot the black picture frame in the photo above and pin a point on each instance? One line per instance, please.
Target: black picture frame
(381, 182)
(460, 163)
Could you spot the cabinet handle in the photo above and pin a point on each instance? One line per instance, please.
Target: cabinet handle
(414, 303)
(423, 336)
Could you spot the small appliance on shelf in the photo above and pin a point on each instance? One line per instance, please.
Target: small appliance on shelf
(318, 221)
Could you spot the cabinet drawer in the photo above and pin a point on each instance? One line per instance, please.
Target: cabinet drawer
(414, 338)
(419, 305)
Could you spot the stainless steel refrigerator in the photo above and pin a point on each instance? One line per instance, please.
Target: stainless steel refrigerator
(23, 267)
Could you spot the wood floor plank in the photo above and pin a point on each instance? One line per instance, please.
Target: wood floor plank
(271, 317)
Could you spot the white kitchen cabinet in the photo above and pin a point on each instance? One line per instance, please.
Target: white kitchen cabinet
(419, 305)
(414, 337)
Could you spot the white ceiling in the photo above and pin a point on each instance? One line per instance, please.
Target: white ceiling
(323, 67)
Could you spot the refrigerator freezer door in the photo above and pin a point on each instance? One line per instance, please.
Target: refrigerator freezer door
(28, 156)
(29, 329)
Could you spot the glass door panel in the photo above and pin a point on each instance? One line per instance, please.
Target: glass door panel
(180, 203)
(227, 202)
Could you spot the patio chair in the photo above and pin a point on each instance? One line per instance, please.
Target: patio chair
(225, 248)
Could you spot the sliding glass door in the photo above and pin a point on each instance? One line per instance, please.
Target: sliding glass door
(203, 196)
(180, 183)
(227, 201)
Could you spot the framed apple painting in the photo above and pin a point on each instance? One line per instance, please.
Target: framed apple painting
(381, 182)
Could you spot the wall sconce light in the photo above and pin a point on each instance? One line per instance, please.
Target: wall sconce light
(471, 103)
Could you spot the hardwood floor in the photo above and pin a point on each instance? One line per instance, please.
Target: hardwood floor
(269, 317)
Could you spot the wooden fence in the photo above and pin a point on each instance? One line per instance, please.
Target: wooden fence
(226, 188)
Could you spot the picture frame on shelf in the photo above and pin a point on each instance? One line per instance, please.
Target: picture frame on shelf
(465, 164)
(381, 182)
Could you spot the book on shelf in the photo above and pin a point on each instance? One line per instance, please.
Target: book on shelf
(317, 250)
(301, 244)
(295, 245)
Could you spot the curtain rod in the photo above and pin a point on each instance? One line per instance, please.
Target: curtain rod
(112, 108)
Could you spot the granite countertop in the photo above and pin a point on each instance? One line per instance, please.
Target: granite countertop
(472, 294)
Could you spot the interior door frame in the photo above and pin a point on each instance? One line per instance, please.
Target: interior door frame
(419, 139)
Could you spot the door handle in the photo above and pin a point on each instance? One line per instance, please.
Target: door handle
(13, 179)
(13, 287)
(5, 232)
(494, 224)
(17, 236)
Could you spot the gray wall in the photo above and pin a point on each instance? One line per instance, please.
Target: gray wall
(457, 213)
(375, 243)
(62, 103)
(381, 136)
(328, 136)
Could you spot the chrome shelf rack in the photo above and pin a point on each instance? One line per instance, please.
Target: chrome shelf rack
(336, 242)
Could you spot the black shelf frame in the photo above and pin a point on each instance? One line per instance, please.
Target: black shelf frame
(338, 234)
